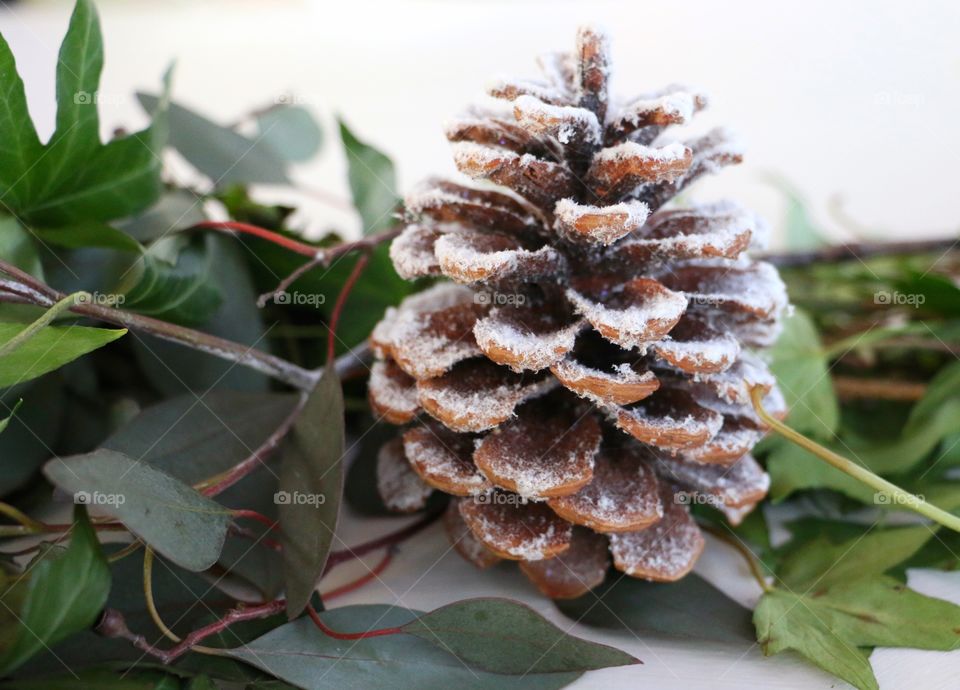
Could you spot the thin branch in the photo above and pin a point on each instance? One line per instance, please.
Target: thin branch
(330, 632)
(269, 235)
(860, 250)
(852, 388)
(354, 585)
(25, 289)
(752, 561)
(899, 496)
(341, 300)
(219, 483)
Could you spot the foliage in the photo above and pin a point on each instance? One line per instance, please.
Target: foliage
(175, 428)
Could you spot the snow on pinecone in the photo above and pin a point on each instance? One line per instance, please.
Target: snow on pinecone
(590, 363)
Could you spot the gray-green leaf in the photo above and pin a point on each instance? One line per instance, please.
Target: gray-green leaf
(170, 516)
(372, 181)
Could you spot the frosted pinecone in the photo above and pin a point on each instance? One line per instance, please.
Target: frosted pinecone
(589, 365)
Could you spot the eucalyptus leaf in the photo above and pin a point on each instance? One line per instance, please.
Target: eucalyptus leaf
(63, 594)
(220, 153)
(311, 484)
(690, 608)
(372, 181)
(303, 656)
(506, 636)
(291, 131)
(170, 516)
(49, 349)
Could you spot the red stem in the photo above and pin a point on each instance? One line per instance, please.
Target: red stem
(330, 632)
(360, 581)
(264, 234)
(253, 461)
(341, 300)
(254, 515)
(112, 624)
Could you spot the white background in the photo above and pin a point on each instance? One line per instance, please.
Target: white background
(851, 100)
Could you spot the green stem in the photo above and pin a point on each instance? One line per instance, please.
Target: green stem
(45, 320)
(858, 472)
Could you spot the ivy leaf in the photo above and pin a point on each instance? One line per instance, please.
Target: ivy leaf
(172, 282)
(79, 235)
(821, 563)
(220, 153)
(170, 516)
(303, 656)
(801, 370)
(506, 636)
(832, 627)
(74, 176)
(792, 468)
(49, 349)
(372, 181)
(311, 483)
(291, 131)
(63, 595)
(690, 608)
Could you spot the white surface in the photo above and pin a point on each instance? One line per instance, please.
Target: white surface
(855, 98)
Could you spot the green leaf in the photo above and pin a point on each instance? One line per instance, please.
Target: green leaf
(792, 468)
(176, 209)
(831, 628)
(175, 288)
(167, 514)
(690, 608)
(506, 636)
(372, 181)
(193, 440)
(291, 131)
(789, 621)
(820, 563)
(64, 594)
(303, 656)
(101, 679)
(74, 177)
(220, 153)
(801, 370)
(17, 246)
(91, 234)
(48, 349)
(22, 147)
(311, 483)
(174, 369)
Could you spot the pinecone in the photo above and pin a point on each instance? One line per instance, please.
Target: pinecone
(586, 372)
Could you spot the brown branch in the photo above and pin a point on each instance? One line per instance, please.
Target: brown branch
(23, 288)
(350, 553)
(860, 250)
(851, 388)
